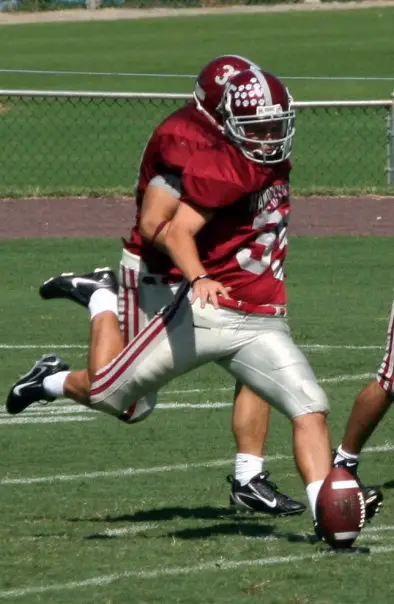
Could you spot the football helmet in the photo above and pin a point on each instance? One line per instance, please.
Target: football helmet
(258, 117)
(210, 83)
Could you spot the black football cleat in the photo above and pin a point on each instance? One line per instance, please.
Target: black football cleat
(262, 495)
(29, 388)
(373, 496)
(318, 533)
(79, 288)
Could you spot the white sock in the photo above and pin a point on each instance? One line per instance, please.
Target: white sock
(103, 300)
(54, 384)
(247, 466)
(312, 491)
(343, 455)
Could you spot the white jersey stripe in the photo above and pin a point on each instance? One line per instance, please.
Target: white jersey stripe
(386, 370)
(123, 305)
(143, 334)
(104, 374)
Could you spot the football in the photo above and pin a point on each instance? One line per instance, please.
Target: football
(340, 509)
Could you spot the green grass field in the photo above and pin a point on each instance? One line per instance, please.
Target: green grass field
(87, 147)
(99, 512)
(337, 43)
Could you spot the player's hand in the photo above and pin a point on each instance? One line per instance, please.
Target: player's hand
(208, 290)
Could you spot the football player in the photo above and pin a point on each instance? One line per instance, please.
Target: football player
(228, 239)
(146, 284)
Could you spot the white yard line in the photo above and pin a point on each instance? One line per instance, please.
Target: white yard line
(72, 408)
(42, 346)
(369, 533)
(380, 528)
(125, 531)
(4, 346)
(58, 409)
(107, 533)
(119, 472)
(386, 448)
(174, 571)
(38, 409)
(374, 533)
(341, 347)
(54, 419)
(336, 379)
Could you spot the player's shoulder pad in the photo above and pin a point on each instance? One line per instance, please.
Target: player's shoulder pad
(218, 176)
(180, 136)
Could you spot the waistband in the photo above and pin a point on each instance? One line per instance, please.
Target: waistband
(135, 264)
(273, 310)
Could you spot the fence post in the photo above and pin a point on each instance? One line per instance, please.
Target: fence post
(93, 4)
(390, 143)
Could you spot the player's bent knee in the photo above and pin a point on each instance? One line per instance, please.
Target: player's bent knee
(104, 406)
(313, 399)
(117, 405)
(136, 414)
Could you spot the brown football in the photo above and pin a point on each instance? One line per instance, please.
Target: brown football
(340, 509)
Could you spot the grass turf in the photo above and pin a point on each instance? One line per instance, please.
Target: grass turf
(90, 528)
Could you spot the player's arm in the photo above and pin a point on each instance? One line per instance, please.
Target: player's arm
(179, 239)
(160, 202)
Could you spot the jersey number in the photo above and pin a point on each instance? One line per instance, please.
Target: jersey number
(265, 242)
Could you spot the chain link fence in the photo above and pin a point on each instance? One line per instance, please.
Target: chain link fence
(88, 143)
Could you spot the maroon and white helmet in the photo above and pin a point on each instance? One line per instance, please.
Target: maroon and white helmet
(210, 83)
(258, 116)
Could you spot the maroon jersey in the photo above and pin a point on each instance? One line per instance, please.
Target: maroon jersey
(245, 244)
(170, 148)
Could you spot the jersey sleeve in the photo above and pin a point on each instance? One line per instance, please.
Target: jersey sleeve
(215, 178)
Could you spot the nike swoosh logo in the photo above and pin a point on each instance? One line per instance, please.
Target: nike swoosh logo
(18, 390)
(271, 503)
(242, 497)
(78, 281)
(371, 499)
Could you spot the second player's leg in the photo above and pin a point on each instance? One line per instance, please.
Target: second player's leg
(370, 406)
(373, 401)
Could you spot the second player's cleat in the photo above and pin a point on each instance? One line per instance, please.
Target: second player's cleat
(79, 288)
(262, 495)
(29, 388)
(373, 496)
